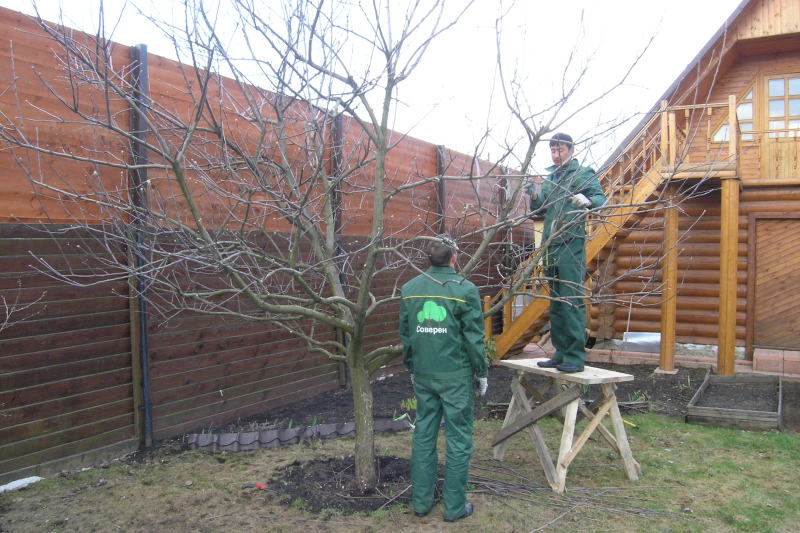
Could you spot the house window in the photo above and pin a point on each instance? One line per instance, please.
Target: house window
(745, 114)
(783, 105)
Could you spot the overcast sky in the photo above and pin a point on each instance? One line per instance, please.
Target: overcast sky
(449, 99)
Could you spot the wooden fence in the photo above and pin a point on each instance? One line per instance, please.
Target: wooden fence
(71, 383)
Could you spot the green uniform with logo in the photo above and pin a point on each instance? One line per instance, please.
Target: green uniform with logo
(441, 328)
(564, 236)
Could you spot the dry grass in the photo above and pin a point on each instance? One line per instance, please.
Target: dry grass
(694, 479)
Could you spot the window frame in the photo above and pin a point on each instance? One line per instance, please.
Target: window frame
(761, 119)
(723, 122)
(785, 98)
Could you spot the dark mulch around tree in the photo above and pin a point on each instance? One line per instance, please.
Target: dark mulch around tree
(329, 484)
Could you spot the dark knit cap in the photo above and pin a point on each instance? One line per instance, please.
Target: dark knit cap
(561, 138)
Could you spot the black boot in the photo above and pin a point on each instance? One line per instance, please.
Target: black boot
(550, 363)
(570, 367)
(467, 512)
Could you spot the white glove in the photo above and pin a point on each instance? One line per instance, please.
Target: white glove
(483, 384)
(580, 201)
(412, 379)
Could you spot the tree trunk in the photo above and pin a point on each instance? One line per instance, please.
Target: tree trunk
(366, 472)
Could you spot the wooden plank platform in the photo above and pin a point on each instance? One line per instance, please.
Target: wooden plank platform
(589, 376)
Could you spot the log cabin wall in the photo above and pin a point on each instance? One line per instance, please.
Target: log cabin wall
(636, 262)
(70, 385)
(634, 304)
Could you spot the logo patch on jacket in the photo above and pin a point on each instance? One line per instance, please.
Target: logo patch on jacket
(431, 312)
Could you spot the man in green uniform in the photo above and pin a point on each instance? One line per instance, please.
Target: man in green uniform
(441, 328)
(565, 195)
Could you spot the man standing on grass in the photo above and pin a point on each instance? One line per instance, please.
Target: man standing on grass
(441, 328)
(566, 195)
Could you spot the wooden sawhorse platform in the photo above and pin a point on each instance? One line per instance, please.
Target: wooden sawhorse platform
(521, 416)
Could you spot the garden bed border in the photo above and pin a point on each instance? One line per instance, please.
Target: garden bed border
(736, 418)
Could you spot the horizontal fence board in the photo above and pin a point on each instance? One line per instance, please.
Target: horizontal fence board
(50, 408)
(100, 265)
(64, 422)
(65, 388)
(70, 324)
(222, 356)
(32, 282)
(67, 437)
(42, 244)
(274, 398)
(185, 390)
(43, 342)
(93, 442)
(194, 405)
(51, 374)
(184, 344)
(219, 376)
(56, 306)
(16, 363)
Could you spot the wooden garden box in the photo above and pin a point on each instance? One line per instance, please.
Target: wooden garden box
(731, 416)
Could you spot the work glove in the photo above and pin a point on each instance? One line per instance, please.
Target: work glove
(412, 379)
(580, 201)
(534, 194)
(483, 384)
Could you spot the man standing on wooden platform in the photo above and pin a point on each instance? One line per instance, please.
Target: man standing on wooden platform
(441, 328)
(565, 195)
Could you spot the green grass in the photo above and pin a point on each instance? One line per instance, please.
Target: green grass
(708, 479)
(694, 479)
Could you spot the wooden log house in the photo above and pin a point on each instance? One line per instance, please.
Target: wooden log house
(720, 259)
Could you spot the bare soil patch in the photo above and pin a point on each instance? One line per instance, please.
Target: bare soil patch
(741, 396)
(328, 484)
(667, 394)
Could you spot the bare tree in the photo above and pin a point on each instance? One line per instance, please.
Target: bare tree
(248, 168)
(258, 154)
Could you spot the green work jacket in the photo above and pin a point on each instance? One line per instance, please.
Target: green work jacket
(562, 220)
(441, 326)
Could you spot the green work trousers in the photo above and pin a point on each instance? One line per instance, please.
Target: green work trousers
(451, 398)
(566, 270)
